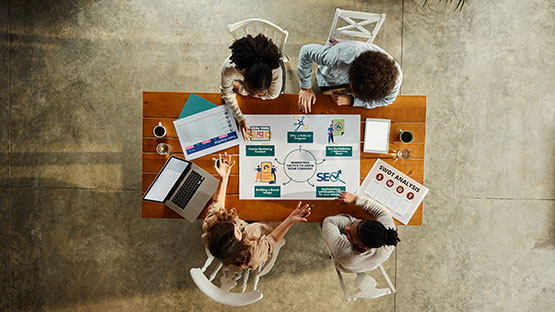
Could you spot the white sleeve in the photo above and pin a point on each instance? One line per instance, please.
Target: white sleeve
(228, 75)
(331, 233)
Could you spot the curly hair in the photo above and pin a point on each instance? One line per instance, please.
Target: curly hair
(372, 75)
(373, 234)
(258, 56)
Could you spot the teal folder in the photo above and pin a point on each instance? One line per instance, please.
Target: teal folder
(195, 104)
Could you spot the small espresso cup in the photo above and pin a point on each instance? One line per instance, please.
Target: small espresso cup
(406, 136)
(159, 131)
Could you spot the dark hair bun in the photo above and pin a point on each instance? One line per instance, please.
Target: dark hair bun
(391, 237)
(249, 50)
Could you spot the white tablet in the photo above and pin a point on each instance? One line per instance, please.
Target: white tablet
(376, 135)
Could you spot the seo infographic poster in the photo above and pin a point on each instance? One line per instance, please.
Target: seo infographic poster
(300, 156)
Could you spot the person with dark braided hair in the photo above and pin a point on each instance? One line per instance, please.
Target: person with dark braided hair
(360, 245)
(252, 69)
(356, 73)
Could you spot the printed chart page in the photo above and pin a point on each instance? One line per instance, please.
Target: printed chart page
(207, 132)
(300, 157)
(393, 189)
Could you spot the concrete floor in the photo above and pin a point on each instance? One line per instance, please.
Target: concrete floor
(71, 233)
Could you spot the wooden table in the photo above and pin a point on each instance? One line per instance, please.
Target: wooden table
(407, 113)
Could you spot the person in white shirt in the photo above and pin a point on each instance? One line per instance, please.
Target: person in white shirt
(360, 245)
(252, 69)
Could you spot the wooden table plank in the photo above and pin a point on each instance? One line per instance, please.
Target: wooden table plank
(407, 113)
(170, 104)
(232, 186)
(413, 168)
(419, 129)
(417, 149)
(276, 210)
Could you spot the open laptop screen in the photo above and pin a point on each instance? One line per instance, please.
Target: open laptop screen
(166, 179)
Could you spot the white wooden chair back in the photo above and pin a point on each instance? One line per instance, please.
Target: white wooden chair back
(367, 27)
(229, 279)
(367, 286)
(255, 26)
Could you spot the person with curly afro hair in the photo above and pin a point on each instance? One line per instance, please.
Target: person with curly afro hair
(355, 73)
(253, 69)
(360, 245)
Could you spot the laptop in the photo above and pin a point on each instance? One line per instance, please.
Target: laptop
(182, 186)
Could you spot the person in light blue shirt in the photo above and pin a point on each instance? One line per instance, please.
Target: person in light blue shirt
(368, 75)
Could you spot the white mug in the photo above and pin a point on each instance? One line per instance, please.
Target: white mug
(159, 131)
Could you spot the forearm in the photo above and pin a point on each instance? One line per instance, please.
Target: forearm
(373, 207)
(219, 196)
(279, 232)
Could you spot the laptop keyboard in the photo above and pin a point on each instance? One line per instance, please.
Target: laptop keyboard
(187, 190)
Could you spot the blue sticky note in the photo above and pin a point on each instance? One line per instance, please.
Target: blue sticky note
(195, 104)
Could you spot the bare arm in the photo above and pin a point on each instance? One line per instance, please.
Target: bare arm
(223, 170)
(298, 215)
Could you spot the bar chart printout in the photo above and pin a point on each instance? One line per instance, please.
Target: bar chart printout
(207, 132)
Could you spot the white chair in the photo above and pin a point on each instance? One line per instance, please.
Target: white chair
(354, 28)
(229, 279)
(255, 26)
(367, 286)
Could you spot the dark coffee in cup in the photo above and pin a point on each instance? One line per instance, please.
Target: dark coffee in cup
(159, 131)
(406, 137)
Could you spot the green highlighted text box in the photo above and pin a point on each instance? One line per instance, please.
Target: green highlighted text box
(260, 150)
(267, 191)
(339, 151)
(300, 137)
(329, 191)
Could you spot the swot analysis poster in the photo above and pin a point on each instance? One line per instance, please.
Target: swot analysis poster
(394, 189)
(300, 156)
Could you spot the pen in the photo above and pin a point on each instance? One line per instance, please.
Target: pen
(309, 209)
(217, 162)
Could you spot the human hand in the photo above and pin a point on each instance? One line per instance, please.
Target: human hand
(341, 98)
(224, 165)
(346, 198)
(244, 129)
(306, 99)
(300, 213)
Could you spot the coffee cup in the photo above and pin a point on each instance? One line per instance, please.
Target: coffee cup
(406, 136)
(159, 131)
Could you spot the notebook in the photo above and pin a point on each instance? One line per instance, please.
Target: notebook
(195, 104)
(376, 135)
